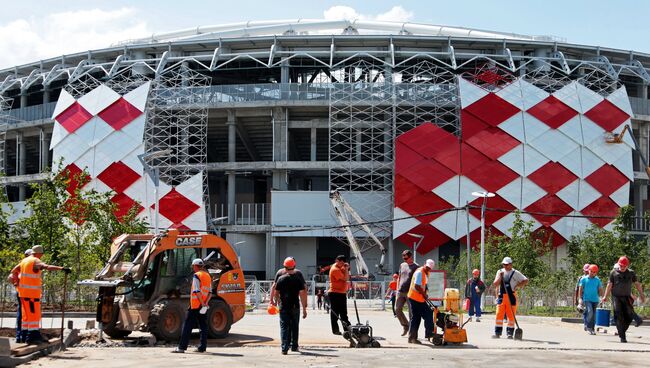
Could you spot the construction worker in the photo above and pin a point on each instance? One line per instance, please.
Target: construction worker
(13, 279)
(405, 274)
(338, 294)
(291, 293)
(474, 288)
(589, 292)
(620, 286)
(30, 290)
(418, 303)
(391, 293)
(507, 280)
(576, 296)
(281, 272)
(199, 302)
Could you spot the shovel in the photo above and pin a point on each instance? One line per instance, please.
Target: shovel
(519, 333)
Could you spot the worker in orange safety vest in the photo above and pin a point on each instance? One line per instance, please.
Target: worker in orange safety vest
(417, 297)
(30, 290)
(200, 297)
(507, 281)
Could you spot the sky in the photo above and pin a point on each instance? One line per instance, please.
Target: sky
(31, 30)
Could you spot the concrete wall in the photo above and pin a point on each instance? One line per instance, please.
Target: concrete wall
(303, 250)
(252, 253)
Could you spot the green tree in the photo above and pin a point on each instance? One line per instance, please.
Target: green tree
(10, 249)
(603, 248)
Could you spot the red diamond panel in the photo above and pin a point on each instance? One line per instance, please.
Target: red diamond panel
(549, 204)
(423, 203)
(475, 237)
(176, 207)
(182, 228)
(607, 115)
(603, 206)
(492, 142)
(470, 125)
(118, 176)
(490, 77)
(423, 138)
(124, 204)
(471, 158)
(427, 174)
(405, 157)
(405, 190)
(552, 177)
(73, 117)
(495, 202)
(552, 112)
(433, 238)
(492, 175)
(119, 114)
(492, 109)
(76, 178)
(447, 152)
(607, 179)
(76, 209)
(545, 233)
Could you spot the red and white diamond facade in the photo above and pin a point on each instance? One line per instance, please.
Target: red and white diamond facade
(103, 133)
(539, 152)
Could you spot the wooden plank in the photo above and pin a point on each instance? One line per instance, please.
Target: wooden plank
(25, 349)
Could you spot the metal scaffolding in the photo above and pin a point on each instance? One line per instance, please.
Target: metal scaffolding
(5, 105)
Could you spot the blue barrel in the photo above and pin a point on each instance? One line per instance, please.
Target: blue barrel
(602, 317)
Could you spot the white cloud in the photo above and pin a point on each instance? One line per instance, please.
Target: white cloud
(342, 12)
(32, 39)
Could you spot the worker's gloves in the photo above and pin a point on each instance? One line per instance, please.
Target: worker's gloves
(203, 310)
(67, 270)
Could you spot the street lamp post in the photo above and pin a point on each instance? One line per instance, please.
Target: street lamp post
(154, 174)
(416, 245)
(485, 196)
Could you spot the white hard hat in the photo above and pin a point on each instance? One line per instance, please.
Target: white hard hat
(506, 260)
(29, 252)
(430, 263)
(197, 262)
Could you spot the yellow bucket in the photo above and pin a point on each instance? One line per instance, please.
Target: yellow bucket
(452, 300)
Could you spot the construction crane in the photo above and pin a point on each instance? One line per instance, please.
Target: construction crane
(348, 217)
(614, 138)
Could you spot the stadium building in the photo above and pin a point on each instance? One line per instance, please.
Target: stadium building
(250, 126)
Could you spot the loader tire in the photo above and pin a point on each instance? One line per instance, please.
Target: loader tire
(166, 321)
(219, 318)
(110, 328)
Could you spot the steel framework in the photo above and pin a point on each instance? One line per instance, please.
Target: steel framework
(5, 105)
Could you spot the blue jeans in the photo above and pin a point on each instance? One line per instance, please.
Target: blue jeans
(475, 306)
(590, 314)
(192, 317)
(289, 323)
(420, 311)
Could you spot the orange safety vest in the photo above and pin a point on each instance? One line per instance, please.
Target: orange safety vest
(413, 293)
(205, 288)
(30, 284)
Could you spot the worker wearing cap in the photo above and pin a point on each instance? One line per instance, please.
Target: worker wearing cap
(391, 293)
(13, 279)
(620, 286)
(417, 302)
(30, 290)
(291, 293)
(474, 288)
(589, 292)
(507, 280)
(338, 294)
(199, 303)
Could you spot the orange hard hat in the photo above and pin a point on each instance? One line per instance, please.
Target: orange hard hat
(395, 276)
(593, 268)
(476, 272)
(289, 263)
(624, 261)
(272, 309)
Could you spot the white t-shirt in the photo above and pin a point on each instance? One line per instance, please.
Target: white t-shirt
(516, 278)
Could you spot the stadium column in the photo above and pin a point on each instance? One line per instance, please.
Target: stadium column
(43, 151)
(20, 164)
(312, 151)
(232, 135)
(280, 147)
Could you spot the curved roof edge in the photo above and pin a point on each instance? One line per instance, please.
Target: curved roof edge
(323, 26)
